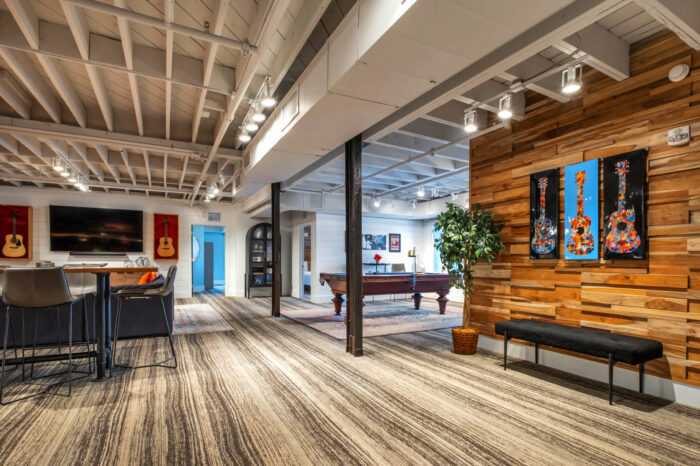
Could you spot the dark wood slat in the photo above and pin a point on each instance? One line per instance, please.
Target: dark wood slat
(353, 225)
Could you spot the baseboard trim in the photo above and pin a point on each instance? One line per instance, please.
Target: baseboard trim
(653, 385)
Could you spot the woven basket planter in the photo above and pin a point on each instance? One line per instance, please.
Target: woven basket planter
(465, 340)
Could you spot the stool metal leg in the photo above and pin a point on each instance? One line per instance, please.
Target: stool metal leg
(537, 353)
(4, 353)
(611, 365)
(115, 336)
(170, 337)
(641, 377)
(505, 349)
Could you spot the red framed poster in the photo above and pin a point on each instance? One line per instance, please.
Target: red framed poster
(166, 234)
(16, 232)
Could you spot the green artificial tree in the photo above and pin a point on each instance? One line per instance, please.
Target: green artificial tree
(466, 236)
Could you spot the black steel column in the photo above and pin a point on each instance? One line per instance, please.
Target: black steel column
(276, 251)
(353, 225)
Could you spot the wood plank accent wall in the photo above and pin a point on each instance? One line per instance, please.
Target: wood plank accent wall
(657, 298)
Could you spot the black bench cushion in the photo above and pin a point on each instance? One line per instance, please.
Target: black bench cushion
(630, 350)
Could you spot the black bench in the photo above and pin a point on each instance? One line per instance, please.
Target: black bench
(616, 348)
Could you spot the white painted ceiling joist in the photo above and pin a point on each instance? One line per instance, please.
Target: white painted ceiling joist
(680, 16)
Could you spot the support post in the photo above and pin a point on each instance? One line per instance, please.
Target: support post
(353, 225)
(276, 251)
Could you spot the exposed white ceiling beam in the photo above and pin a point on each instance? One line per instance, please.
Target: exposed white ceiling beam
(122, 13)
(129, 169)
(270, 12)
(128, 48)
(94, 136)
(680, 16)
(14, 95)
(81, 150)
(147, 161)
(216, 25)
(104, 155)
(600, 49)
(165, 171)
(81, 33)
(169, 7)
(25, 71)
(549, 86)
(184, 171)
(565, 22)
(26, 19)
(106, 53)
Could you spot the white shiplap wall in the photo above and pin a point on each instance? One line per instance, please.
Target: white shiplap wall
(232, 218)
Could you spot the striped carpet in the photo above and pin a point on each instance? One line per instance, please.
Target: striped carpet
(272, 391)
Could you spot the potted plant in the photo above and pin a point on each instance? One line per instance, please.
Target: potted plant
(466, 236)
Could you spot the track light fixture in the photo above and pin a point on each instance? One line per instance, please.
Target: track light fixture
(258, 116)
(268, 100)
(251, 126)
(413, 205)
(505, 109)
(435, 191)
(244, 136)
(470, 121)
(571, 79)
(377, 203)
(421, 191)
(58, 165)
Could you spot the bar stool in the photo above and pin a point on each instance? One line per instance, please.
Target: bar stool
(139, 293)
(37, 289)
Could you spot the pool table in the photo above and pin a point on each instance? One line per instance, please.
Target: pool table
(392, 283)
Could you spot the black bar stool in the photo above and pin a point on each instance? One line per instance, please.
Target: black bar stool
(139, 293)
(37, 289)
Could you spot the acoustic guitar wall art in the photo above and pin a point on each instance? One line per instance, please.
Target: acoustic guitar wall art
(544, 215)
(165, 243)
(623, 189)
(14, 243)
(581, 241)
(622, 237)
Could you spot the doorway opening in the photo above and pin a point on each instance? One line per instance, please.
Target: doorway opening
(306, 262)
(208, 259)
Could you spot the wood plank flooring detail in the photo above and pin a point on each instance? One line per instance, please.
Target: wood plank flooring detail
(272, 391)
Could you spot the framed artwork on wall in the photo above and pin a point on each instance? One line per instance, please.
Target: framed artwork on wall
(623, 205)
(166, 234)
(374, 242)
(16, 232)
(581, 211)
(394, 242)
(544, 215)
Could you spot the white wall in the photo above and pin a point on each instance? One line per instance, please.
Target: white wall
(232, 218)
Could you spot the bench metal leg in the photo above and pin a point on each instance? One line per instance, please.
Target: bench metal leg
(641, 377)
(611, 364)
(537, 353)
(505, 349)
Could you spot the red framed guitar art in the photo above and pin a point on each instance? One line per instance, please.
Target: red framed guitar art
(166, 235)
(15, 230)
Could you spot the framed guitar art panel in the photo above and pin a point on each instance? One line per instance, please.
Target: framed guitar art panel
(623, 205)
(166, 234)
(581, 211)
(16, 232)
(544, 215)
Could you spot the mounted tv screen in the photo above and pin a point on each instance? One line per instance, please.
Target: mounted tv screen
(82, 229)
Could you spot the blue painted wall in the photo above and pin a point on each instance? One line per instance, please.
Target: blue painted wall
(216, 235)
(218, 238)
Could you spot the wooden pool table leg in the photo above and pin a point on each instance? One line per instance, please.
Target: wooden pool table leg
(442, 302)
(416, 299)
(338, 303)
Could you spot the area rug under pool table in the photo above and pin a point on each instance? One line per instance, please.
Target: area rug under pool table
(380, 318)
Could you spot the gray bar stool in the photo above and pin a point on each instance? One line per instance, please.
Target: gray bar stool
(140, 293)
(37, 289)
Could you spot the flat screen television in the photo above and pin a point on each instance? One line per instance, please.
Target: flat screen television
(84, 229)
